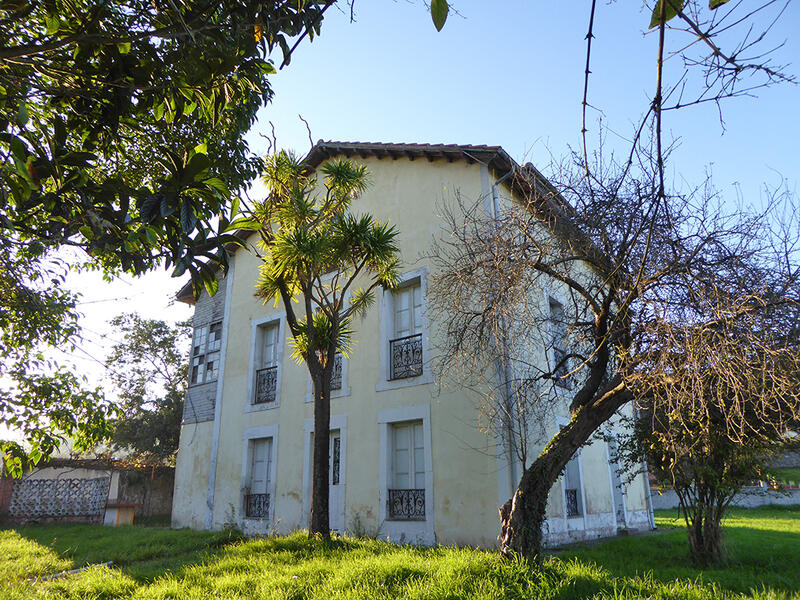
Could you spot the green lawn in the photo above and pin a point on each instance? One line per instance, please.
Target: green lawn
(158, 563)
(786, 475)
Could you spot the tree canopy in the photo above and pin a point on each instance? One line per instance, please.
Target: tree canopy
(121, 135)
(323, 262)
(148, 368)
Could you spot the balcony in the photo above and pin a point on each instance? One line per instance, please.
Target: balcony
(266, 385)
(406, 505)
(406, 357)
(256, 506)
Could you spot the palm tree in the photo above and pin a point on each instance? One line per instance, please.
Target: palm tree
(324, 264)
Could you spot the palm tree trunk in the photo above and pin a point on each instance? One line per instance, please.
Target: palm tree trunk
(319, 522)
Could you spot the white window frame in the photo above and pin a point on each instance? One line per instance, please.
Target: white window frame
(556, 343)
(609, 434)
(341, 392)
(207, 347)
(253, 433)
(549, 294)
(581, 518)
(276, 319)
(387, 333)
(337, 422)
(405, 531)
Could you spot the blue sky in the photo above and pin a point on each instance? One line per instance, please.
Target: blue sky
(507, 73)
(511, 73)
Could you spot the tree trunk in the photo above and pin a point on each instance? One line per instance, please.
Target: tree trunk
(706, 544)
(319, 522)
(523, 515)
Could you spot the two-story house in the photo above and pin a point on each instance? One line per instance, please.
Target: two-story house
(407, 460)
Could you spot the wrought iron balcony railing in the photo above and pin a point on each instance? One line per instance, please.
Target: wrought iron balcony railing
(256, 506)
(266, 385)
(572, 503)
(336, 375)
(406, 505)
(406, 357)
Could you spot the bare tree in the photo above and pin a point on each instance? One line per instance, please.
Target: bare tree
(614, 256)
(719, 378)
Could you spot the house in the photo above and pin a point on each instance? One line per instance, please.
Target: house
(407, 461)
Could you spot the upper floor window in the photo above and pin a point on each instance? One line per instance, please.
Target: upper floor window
(558, 344)
(206, 343)
(405, 347)
(266, 364)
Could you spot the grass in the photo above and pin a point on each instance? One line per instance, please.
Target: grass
(786, 475)
(155, 563)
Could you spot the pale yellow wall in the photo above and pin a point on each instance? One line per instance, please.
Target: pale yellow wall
(465, 469)
(191, 476)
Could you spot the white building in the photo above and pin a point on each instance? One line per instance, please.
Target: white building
(407, 461)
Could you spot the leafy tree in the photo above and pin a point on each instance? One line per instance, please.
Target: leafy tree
(39, 398)
(121, 135)
(149, 371)
(721, 396)
(323, 263)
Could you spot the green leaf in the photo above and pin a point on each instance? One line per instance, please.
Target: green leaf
(151, 236)
(439, 10)
(180, 269)
(197, 165)
(188, 218)
(52, 23)
(244, 224)
(670, 11)
(124, 47)
(22, 115)
(713, 4)
(218, 185)
(211, 284)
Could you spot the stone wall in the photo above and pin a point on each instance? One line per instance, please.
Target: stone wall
(748, 498)
(151, 489)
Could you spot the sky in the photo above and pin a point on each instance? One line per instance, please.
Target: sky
(500, 73)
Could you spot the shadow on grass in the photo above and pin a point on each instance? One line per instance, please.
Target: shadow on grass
(144, 553)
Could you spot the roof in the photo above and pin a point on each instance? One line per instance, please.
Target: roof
(525, 180)
(323, 150)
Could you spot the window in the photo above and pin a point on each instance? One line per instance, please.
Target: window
(406, 499)
(405, 347)
(558, 344)
(257, 492)
(207, 341)
(573, 489)
(266, 364)
(336, 374)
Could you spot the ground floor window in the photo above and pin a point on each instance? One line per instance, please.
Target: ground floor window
(257, 492)
(573, 488)
(406, 498)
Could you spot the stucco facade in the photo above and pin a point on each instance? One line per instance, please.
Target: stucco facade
(411, 463)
